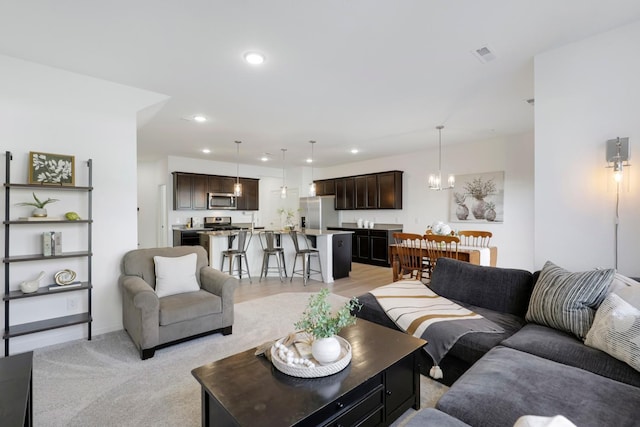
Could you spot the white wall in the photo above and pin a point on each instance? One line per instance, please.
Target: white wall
(49, 110)
(586, 93)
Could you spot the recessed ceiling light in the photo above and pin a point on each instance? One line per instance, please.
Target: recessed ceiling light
(309, 160)
(254, 58)
(354, 151)
(199, 118)
(206, 150)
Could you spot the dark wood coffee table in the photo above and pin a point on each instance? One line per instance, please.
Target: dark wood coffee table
(380, 384)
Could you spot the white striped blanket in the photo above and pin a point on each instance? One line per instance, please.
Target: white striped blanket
(419, 311)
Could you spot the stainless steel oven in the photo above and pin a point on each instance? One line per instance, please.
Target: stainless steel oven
(221, 201)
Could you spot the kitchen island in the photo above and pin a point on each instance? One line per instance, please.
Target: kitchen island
(332, 245)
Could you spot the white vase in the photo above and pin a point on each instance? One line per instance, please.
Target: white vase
(39, 212)
(326, 350)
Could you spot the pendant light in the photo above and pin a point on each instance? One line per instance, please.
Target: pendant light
(283, 189)
(435, 181)
(237, 187)
(312, 186)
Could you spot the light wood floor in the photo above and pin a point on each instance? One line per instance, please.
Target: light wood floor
(361, 279)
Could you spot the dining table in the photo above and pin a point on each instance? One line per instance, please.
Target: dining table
(470, 254)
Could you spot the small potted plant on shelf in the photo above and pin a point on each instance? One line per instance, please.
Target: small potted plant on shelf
(39, 206)
(322, 325)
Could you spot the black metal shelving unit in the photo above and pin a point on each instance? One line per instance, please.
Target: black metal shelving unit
(10, 330)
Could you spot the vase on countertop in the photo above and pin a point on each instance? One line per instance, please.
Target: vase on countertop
(326, 350)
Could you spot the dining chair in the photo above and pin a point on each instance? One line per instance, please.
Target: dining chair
(475, 238)
(243, 239)
(269, 249)
(306, 252)
(441, 247)
(410, 254)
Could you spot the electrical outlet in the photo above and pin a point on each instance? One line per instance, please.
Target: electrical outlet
(72, 303)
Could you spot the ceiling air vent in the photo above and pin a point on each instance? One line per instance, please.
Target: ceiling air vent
(484, 54)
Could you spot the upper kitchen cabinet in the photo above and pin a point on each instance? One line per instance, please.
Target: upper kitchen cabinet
(189, 191)
(390, 190)
(250, 200)
(372, 191)
(325, 187)
(366, 196)
(345, 192)
(221, 184)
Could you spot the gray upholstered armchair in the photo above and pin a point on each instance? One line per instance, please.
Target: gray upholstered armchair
(153, 322)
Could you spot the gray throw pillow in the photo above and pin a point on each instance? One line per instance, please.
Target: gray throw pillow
(568, 301)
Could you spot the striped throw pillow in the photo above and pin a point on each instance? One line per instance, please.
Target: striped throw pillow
(616, 330)
(568, 301)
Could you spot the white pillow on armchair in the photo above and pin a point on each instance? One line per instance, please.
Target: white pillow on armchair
(176, 275)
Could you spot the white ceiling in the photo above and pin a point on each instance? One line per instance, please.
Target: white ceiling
(377, 75)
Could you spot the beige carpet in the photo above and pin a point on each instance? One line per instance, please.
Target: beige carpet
(103, 382)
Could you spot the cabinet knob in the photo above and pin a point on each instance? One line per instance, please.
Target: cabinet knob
(339, 405)
(389, 393)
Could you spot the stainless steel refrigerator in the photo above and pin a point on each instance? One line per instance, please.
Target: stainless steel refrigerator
(318, 212)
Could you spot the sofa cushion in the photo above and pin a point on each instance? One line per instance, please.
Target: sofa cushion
(616, 330)
(568, 301)
(187, 306)
(565, 348)
(473, 346)
(626, 288)
(176, 275)
(507, 384)
(433, 417)
(505, 290)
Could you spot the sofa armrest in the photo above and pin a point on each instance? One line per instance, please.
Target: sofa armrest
(505, 290)
(218, 283)
(140, 311)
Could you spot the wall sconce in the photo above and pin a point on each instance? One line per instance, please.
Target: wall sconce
(618, 156)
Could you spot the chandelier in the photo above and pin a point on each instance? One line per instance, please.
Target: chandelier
(435, 180)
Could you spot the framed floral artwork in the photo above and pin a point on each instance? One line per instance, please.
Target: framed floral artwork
(51, 169)
(478, 198)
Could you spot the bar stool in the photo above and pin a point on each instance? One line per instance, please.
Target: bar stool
(269, 248)
(305, 253)
(243, 238)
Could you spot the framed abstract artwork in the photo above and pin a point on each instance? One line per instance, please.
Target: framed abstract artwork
(478, 198)
(51, 169)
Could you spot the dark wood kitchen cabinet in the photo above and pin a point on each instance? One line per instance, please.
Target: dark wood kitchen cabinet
(366, 192)
(189, 191)
(390, 190)
(221, 184)
(360, 246)
(325, 187)
(370, 245)
(250, 200)
(345, 192)
(381, 190)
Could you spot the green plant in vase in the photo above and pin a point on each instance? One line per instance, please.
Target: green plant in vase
(320, 323)
(39, 205)
(287, 218)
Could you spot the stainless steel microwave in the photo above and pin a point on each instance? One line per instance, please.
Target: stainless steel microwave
(221, 201)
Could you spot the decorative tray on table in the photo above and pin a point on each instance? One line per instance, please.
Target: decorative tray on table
(291, 362)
